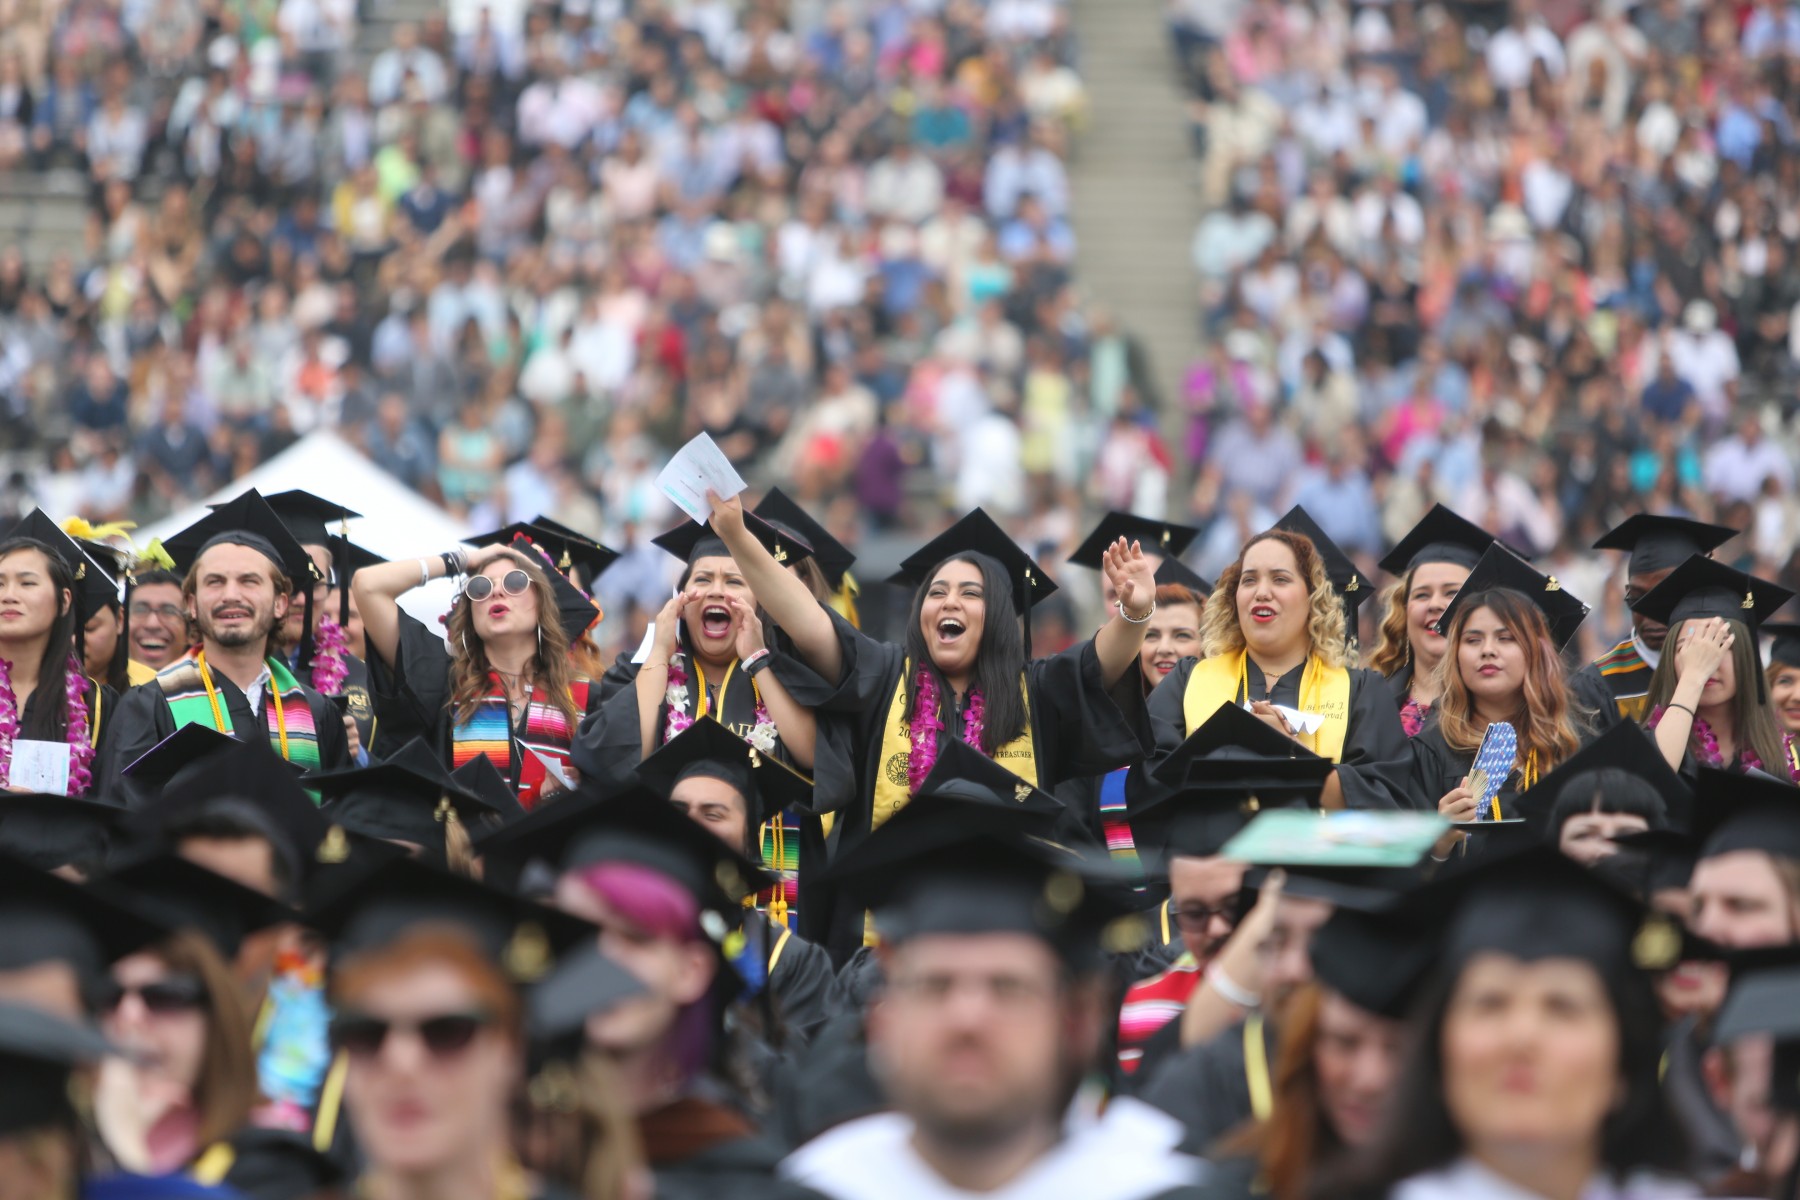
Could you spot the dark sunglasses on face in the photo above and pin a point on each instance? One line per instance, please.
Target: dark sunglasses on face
(363, 1036)
(177, 993)
(481, 587)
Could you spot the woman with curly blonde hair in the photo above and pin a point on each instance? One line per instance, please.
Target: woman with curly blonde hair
(504, 684)
(1274, 641)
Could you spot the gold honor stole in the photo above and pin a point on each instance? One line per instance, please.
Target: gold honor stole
(1325, 690)
(892, 789)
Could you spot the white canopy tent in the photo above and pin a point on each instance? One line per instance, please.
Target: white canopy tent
(397, 522)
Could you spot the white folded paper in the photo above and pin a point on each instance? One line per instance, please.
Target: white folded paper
(699, 467)
(1300, 722)
(552, 767)
(40, 766)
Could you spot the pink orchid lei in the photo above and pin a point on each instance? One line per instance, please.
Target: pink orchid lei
(676, 698)
(927, 724)
(1708, 751)
(330, 645)
(81, 746)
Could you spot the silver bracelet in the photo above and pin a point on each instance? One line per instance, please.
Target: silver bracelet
(1229, 990)
(1131, 620)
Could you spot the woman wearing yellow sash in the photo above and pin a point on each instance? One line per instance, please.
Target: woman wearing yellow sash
(1274, 639)
(964, 672)
(1505, 630)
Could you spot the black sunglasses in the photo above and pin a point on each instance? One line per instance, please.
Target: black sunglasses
(481, 587)
(363, 1036)
(176, 994)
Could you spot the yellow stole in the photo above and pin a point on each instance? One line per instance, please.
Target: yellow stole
(1219, 681)
(892, 789)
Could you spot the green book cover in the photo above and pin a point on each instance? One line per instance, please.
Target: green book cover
(1294, 837)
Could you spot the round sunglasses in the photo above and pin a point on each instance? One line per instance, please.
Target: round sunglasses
(362, 1036)
(176, 994)
(481, 587)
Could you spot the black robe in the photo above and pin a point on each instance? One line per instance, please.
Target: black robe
(803, 983)
(1077, 729)
(1437, 769)
(1206, 1088)
(411, 697)
(826, 1083)
(143, 718)
(359, 704)
(1374, 770)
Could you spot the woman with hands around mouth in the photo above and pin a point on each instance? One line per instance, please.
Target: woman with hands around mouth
(963, 672)
(504, 684)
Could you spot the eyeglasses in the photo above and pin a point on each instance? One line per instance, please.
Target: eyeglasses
(1195, 918)
(363, 1036)
(167, 612)
(176, 994)
(481, 587)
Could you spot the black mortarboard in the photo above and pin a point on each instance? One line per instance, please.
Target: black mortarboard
(109, 559)
(1440, 536)
(637, 827)
(349, 558)
(584, 983)
(370, 909)
(38, 1052)
(307, 516)
(1654, 860)
(978, 533)
(567, 549)
(1162, 538)
(1785, 648)
(833, 557)
(480, 776)
(185, 895)
(1173, 571)
(406, 797)
(249, 521)
(271, 1164)
(943, 866)
(965, 773)
(1346, 579)
(1374, 960)
(575, 608)
(1705, 587)
(1765, 999)
(1745, 812)
(708, 748)
(1662, 543)
(691, 540)
(1623, 750)
(51, 831)
(1501, 568)
(49, 919)
(94, 588)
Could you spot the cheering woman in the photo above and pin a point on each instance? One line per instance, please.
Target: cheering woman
(1431, 561)
(1707, 701)
(505, 685)
(1504, 630)
(1274, 638)
(1783, 674)
(963, 671)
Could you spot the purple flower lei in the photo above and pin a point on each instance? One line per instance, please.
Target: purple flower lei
(1706, 743)
(331, 643)
(927, 724)
(81, 746)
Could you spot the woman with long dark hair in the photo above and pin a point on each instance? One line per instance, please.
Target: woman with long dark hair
(504, 685)
(1707, 704)
(1533, 1069)
(48, 590)
(1430, 563)
(962, 673)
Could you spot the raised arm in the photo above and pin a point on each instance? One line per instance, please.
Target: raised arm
(378, 590)
(1704, 645)
(781, 593)
(1121, 639)
(796, 725)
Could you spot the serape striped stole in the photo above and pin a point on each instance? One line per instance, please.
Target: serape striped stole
(292, 733)
(546, 729)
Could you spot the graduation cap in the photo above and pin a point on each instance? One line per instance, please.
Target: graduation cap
(352, 558)
(1653, 860)
(1375, 960)
(94, 589)
(1357, 859)
(584, 983)
(1501, 568)
(1703, 587)
(636, 827)
(49, 919)
(575, 608)
(965, 773)
(567, 549)
(370, 909)
(1172, 571)
(977, 533)
(1744, 812)
(1621, 761)
(1662, 543)
(49, 831)
(708, 748)
(480, 776)
(38, 1053)
(180, 894)
(1785, 649)
(407, 797)
(1346, 580)
(270, 1164)
(1765, 999)
(691, 541)
(1440, 536)
(249, 521)
(307, 516)
(833, 557)
(1162, 538)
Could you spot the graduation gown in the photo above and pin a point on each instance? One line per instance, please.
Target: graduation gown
(801, 979)
(826, 1083)
(1437, 769)
(359, 704)
(699, 1149)
(1077, 729)
(108, 707)
(143, 718)
(1466, 1179)
(1207, 1087)
(1376, 764)
(410, 698)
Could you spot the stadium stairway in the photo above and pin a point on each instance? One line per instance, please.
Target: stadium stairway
(44, 214)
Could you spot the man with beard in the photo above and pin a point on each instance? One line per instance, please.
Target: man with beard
(241, 563)
(993, 1010)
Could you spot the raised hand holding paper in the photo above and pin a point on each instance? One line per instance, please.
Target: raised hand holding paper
(699, 467)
